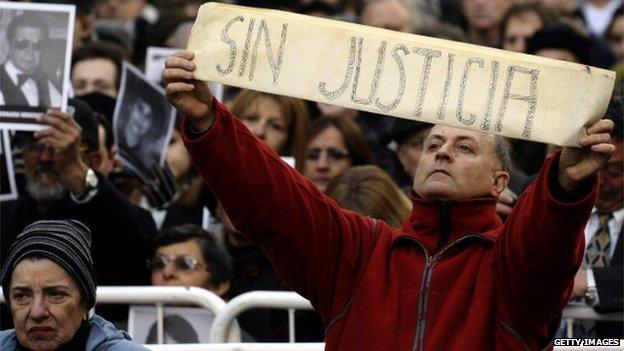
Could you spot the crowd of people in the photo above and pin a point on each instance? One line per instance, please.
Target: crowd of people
(232, 217)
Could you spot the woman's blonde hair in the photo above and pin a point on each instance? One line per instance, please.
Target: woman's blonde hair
(368, 190)
(294, 110)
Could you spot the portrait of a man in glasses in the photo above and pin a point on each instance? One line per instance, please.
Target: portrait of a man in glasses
(23, 81)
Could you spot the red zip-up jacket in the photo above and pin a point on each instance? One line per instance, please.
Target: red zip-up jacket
(492, 286)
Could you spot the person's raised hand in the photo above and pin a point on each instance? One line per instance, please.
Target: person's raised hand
(64, 136)
(191, 97)
(578, 164)
(580, 283)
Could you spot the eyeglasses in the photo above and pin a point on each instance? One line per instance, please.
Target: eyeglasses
(180, 263)
(25, 43)
(333, 154)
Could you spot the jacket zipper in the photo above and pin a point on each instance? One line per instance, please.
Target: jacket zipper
(422, 303)
(425, 288)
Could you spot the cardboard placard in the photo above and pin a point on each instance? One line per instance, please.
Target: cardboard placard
(398, 74)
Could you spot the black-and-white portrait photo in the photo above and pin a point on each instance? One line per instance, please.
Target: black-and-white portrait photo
(35, 54)
(8, 188)
(142, 123)
(181, 325)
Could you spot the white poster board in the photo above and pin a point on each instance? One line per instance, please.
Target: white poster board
(155, 64)
(8, 188)
(35, 57)
(399, 74)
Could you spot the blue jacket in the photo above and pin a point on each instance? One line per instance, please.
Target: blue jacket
(103, 336)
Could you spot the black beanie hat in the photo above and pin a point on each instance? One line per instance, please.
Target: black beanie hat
(66, 242)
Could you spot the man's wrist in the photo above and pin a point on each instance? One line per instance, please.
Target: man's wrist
(75, 179)
(201, 125)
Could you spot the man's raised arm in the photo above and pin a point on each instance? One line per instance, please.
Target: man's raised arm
(541, 246)
(315, 247)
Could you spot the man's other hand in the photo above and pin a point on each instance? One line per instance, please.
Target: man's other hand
(580, 283)
(191, 97)
(578, 164)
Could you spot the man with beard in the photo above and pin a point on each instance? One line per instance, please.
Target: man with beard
(61, 183)
(23, 83)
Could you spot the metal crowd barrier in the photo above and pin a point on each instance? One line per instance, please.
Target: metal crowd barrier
(257, 299)
(572, 312)
(160, 296)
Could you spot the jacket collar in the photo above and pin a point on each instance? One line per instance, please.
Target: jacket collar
(437, 223)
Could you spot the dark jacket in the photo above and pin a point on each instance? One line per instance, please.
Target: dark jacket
(492, 286)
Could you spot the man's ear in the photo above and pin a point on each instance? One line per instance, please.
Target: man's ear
(499, 183)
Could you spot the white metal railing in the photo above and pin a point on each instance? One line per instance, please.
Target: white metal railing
(257, 299)
(572, 312)
(160, 296)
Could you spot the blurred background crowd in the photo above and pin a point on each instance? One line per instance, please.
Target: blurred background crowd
(365, 162)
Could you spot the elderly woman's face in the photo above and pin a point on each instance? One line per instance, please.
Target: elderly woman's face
(46, 304)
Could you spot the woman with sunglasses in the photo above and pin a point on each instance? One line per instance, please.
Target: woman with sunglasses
(186, 255)
(333, 144)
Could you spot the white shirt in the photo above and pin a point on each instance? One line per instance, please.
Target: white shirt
(615, 227)
(29, 88)
(599, 18)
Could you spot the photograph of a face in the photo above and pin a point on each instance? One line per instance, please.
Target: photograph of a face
(181, 325)
(35, 55)
(142, 123)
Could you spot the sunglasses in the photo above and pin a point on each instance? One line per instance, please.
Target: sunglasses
(180, 263)
(25, 43)
(333, 154)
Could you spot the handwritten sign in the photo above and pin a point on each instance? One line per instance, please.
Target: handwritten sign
(398, 74)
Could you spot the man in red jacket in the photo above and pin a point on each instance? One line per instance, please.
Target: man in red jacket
(452, 278)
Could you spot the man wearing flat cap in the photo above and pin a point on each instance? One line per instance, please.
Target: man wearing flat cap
(49, 284)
